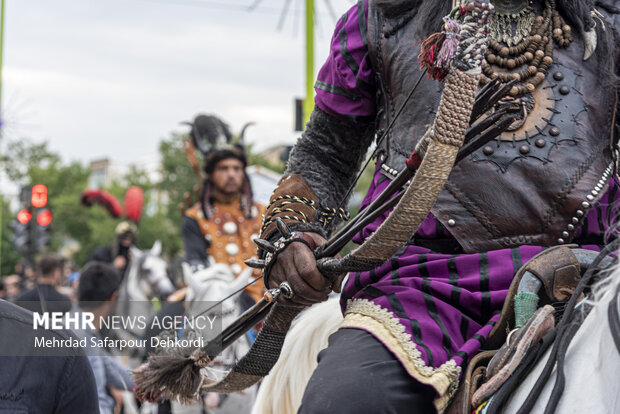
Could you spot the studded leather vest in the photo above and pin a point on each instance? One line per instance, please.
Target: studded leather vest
(229, 235)
(533, 185)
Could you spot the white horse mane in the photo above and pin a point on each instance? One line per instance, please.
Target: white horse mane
(605, 289)
(147, 275)
(281, 391)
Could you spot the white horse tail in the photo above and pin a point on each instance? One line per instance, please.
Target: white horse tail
(281, 391)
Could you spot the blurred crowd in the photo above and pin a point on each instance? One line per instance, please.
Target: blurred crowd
(53, 285)
(50, 270)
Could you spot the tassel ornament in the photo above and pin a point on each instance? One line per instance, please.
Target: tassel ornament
(448, 48)
(428, 52)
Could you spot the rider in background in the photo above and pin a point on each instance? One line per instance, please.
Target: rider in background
(118, 253)
(220, 227)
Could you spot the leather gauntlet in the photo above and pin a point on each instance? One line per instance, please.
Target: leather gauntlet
(293, 201)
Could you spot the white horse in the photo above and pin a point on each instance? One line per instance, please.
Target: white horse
(146, 275)
(205, 288)
(281, 391)
(146, 278)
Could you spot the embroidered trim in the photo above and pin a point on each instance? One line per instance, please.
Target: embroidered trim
(364, 314)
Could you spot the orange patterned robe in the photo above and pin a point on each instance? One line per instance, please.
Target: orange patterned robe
(229, 235)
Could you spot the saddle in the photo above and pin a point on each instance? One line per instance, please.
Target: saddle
(525, 329)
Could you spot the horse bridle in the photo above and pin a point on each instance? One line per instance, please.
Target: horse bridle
(566, 330)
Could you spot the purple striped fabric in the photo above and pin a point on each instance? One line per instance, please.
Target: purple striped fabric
(449, 303)
(345, 86)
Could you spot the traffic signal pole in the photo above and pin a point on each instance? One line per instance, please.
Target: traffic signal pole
(32, 225)
(309, 101)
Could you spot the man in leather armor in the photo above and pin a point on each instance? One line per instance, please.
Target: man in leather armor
(412, 324)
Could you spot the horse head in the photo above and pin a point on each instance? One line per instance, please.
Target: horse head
(147, 275)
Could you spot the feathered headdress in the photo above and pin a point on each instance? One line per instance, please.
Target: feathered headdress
(213, 138)
(104, 199)
(134, 202)
(210, 133)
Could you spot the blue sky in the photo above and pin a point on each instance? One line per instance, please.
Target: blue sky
(112, 78)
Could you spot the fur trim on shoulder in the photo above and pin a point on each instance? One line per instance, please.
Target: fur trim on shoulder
(395, 7)
(400, 12)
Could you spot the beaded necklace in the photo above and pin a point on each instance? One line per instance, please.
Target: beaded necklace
(535, 51)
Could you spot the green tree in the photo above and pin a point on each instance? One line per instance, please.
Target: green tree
(88, 228)
(22, 156)
(27, 164)
(10, 256)
(177, 177)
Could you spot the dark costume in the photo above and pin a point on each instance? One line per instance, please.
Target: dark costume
(44, 298)
(546, 182)
(107, 254)
(41, 380)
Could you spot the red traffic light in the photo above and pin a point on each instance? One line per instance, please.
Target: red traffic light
(38, 199)
(44, 218)
(24, 216)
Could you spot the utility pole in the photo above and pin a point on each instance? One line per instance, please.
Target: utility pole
(1, 121)
(309, 100)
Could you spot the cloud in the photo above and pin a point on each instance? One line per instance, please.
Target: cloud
(113, 78)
